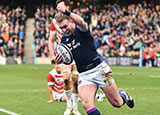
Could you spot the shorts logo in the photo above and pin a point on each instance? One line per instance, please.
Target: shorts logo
(105, 81)
(79, 82)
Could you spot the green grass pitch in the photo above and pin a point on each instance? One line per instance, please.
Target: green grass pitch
(23, 90)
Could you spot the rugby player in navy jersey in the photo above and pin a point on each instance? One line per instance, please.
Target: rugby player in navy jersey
(93, 72)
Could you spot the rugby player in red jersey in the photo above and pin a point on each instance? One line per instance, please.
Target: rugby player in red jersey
(70, 73)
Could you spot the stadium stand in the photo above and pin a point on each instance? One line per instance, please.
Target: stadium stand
(118, 30)
(12, 31)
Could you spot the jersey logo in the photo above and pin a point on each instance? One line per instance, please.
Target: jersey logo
(73, 45)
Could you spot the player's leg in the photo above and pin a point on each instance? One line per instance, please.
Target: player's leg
(112, 95)
(117, 99)
(109, 87)
(75, 75)
(87, 95)
(63, 99)
(66, 71)
(75, 96)
(60, 97)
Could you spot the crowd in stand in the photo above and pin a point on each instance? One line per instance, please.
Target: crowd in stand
(118, 30)
(43, 17)
(12, 31)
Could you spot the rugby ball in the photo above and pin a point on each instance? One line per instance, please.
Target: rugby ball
(65, 52)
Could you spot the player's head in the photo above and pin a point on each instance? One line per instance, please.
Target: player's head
(65, 23)
(57, 68)
(64, 3)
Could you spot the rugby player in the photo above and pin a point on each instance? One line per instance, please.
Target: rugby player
(93, 72)
(55, 85)
(56, 89)
(70, 73)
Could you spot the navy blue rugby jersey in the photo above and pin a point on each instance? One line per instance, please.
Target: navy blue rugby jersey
(83, 49)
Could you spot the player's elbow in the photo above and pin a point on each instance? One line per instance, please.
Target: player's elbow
(83, 25)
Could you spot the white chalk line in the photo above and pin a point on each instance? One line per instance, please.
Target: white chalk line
(154, 76)
(23, 90)
(145, 88)
(9, 112)
(43, 90)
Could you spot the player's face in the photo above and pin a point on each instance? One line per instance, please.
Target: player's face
(67, 27)
(62, 4)
(58, 69)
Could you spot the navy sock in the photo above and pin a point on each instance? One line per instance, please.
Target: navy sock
(93, 111)
(123, 97)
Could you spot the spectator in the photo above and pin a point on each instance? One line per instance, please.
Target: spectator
(2, 59)
(144, 57)
(152, 55)
(12, 30)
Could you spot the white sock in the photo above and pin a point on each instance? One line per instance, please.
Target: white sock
(75, 99)
(68, 94)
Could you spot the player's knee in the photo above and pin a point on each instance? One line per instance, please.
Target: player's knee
(75, 84)
(66, 82)
(66, 74)
(75, 78)
(75, 73)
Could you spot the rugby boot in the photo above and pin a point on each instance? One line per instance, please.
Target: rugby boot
(127, 98)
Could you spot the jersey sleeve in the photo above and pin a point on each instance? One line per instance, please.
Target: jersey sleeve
(50, 79)
(52, 28)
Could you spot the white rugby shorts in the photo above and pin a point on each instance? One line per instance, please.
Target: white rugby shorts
(96, 76)
(57, 96)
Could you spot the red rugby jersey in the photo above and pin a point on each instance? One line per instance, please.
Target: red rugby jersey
(56, 80)
(54, 28)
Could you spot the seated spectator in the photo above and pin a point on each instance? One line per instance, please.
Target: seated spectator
(122, 28)
(12, 30)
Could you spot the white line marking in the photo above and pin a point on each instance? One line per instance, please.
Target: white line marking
(145, 88)
(154, 76)
(23, 90)
(9, 112)
(43, 90)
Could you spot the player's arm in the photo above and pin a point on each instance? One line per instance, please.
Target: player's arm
(50, 94)
(53, 56)
(76, 18)
(50, 81)
(79, 21)
(51, 45)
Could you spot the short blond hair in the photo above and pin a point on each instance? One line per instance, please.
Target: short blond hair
(59, 17)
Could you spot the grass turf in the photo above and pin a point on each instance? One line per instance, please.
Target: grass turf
(23, 90)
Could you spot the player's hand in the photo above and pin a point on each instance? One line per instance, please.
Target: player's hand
(57, 58)
(50, 101)
(61, 7)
